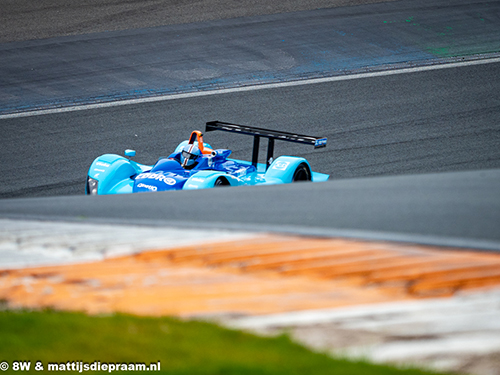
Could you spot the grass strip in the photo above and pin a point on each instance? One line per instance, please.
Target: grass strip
(181, 347)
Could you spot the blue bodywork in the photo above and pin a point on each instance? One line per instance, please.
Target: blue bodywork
(115, 174)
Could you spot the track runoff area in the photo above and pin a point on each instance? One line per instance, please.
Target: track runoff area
(386, 301)
(385, 72)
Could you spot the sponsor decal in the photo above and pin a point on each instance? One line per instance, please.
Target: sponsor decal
(320, 142)
(99, 170)
(157, 177)
(197, 179)
(102, 164)
(281, 165)
(169, 181)
(149, 187)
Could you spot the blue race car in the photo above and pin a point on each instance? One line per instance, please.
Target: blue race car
(195, 165)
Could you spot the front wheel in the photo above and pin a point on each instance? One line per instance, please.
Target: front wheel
(221, 181)
(302, 173)
(91, 187)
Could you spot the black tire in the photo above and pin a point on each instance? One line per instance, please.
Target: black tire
(221, 181)
(302, 173)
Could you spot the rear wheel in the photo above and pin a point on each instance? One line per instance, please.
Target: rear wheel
(302, 173)
(221, 181)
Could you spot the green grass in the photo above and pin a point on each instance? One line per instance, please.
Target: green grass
(183, 347)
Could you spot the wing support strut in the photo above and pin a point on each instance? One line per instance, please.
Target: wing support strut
(271, 135)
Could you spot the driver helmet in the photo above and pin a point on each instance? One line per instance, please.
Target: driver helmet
(190, 153)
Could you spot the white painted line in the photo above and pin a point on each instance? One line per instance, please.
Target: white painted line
(251, 88)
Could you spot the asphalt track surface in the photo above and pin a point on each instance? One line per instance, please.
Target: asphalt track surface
(457, 209)
(435, 121)
(26, 20)
(406, 124)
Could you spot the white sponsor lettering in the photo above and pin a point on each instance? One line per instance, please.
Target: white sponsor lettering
(149, 187)
(101, 164)
(197, 179)
(157, 177)
(281, 165)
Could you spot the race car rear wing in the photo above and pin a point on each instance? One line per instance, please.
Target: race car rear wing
(271, 135)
